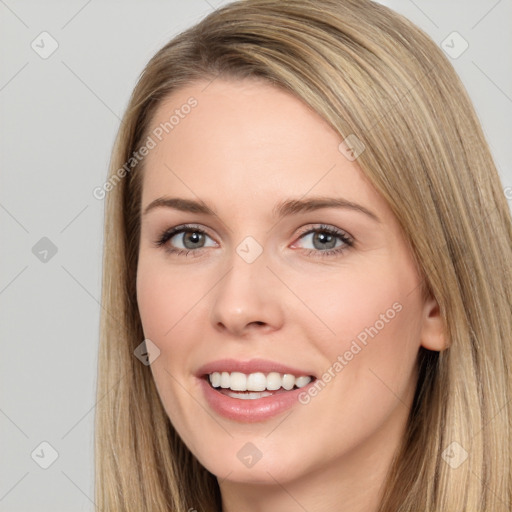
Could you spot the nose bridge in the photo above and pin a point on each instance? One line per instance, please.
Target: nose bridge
(247, 293)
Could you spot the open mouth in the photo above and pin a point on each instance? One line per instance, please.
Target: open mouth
(253, 386)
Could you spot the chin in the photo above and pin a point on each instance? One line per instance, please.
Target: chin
(252, 459)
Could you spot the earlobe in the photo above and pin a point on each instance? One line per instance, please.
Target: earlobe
(433, 332)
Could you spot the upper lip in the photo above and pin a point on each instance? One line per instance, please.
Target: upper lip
(251, 366)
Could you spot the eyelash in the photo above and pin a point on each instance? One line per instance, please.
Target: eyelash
(189, 228)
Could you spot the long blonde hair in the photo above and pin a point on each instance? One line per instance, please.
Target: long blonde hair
(371, 74)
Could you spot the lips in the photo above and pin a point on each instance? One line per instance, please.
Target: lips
(250, 391)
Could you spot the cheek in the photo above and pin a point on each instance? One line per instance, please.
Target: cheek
(359, 304)
(171, 304)
(369, 361)
(164, 298)
(370, 326)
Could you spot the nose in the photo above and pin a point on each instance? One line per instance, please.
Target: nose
(248, 298)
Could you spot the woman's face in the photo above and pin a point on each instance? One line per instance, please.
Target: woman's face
(315, 307)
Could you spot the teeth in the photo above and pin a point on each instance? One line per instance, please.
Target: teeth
(258, 382)
(249, 395)
(215, 379)
(224, 380)
(274, 381)
(300, 382)
(238, 381)
(288, 381)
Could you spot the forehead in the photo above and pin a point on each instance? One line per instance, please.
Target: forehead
(242, 116)
(245, 141)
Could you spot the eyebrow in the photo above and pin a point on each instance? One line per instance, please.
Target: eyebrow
(280, 210)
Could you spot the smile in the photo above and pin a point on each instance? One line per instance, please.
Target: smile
(252, 390)
(255, 385)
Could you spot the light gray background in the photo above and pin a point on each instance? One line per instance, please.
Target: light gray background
(58, 120)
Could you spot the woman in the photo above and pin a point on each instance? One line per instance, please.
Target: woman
(307, 289)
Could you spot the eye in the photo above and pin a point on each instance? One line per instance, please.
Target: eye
(327, 241)
(191, 238)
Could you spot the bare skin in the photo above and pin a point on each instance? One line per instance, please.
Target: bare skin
(243, 149)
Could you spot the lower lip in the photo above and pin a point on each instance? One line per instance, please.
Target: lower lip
(258, 409)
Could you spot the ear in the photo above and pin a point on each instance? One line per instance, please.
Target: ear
(433, 332)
